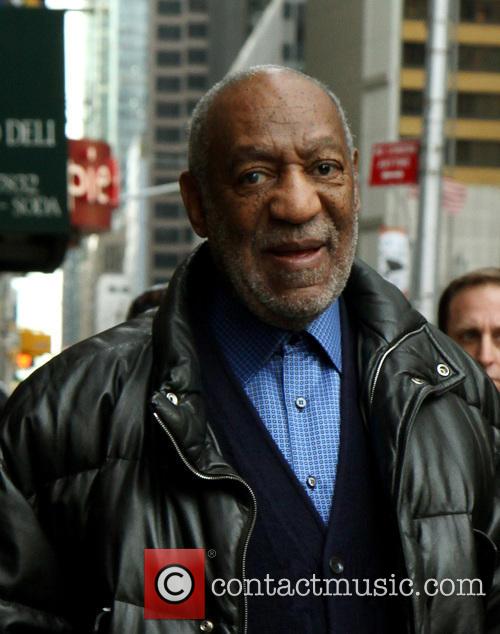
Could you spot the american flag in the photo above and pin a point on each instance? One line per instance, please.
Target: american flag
(454, 195)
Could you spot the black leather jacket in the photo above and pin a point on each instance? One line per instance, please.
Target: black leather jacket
(106, 451)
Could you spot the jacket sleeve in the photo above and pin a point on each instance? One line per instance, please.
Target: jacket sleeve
(31, 592)
(493, 612)
(37, 581)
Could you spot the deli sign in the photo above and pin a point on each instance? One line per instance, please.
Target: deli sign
(395, 163)
(93, 187)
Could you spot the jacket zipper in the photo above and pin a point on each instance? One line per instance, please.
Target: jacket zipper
(236, 478)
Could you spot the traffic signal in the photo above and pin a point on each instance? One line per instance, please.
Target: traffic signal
(24, 360)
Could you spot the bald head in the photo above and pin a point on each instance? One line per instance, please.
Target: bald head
(214, 105)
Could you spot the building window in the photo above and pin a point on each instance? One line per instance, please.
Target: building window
(165, 211)
(165, 260)
(478, 106)
(168, 58)
(197, 56)
(172, 235)
(198, 5)
(198, 29)
(413, 55)
(170, 161)
(197, 82)
(168, 84)
(168, 135)
(169, 7)
(479, 58)
(411, 102)
(415, 10)
(478, 153)
(191, 105)
(480, 11)
(168, 109)
(468, 105)
(167, 235)
(169, 32)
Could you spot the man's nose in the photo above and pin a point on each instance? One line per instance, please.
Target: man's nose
(486, 352)
(295, 198)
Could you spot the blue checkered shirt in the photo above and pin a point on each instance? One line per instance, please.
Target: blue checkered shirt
(293, 381)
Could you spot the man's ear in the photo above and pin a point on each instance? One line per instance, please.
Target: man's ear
(192, 199)
(355, 172)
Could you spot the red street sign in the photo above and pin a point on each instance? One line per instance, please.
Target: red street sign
(395, 163)
(93, 185)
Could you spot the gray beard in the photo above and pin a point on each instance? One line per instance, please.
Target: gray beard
(291, 313)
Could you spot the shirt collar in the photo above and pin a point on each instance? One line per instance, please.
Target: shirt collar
(327, 332)
(248, 343)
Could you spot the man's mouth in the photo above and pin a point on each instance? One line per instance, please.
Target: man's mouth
(296, 248)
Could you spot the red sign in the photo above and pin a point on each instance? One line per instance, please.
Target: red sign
(395, 163)
(174, 583)
(93, 185)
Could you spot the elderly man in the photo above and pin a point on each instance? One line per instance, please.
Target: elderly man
(287, 447)
(469, 312)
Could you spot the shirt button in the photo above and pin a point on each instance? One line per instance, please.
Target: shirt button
(311, 481)
(336, 565)
(300, 402)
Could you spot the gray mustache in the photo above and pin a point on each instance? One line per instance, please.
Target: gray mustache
(276, 236)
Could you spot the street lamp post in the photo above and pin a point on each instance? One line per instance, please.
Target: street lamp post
(427, 245)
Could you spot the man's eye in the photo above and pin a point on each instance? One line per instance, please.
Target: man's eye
(252, 178)
(468, 336)
(327, 169)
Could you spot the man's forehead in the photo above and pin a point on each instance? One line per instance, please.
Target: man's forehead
(274, 108)
(478, 293)
(474, 301)
(271, 92)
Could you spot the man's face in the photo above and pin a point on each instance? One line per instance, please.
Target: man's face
(281, 218)
(474, 323)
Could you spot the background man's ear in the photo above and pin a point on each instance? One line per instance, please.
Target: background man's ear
(192, 199)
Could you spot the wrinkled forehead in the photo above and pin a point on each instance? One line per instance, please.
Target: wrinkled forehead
(273, 98)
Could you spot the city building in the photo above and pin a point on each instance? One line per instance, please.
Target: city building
(115, 110)
(372, 53)
(474, 100)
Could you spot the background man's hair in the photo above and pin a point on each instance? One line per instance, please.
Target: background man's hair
(478, 277)
(199, 133)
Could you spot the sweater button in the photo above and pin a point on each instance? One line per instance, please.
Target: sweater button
(206, 626)
(336, 565)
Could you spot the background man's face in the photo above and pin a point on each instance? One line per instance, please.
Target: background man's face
(474, 323)
(282, 215)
